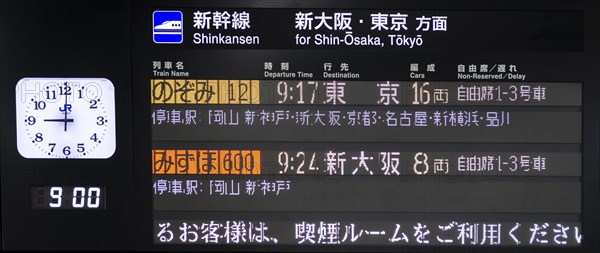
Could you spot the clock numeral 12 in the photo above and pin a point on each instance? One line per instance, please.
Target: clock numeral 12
(65, 90)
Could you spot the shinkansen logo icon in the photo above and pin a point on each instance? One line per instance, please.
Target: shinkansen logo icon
(167, 27)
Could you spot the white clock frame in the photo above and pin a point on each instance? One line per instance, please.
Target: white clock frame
(65, 118)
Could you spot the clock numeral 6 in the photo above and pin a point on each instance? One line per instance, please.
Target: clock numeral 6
(101, 120)
(67, 150)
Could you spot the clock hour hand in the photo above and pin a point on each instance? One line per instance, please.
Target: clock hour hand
(65, 120)
(59, 120)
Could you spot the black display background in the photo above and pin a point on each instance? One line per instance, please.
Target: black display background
(66, 39)
(92, 46)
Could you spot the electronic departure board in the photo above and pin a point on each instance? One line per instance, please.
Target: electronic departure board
(402, 126)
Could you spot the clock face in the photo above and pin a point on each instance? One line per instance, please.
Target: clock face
(64, 118)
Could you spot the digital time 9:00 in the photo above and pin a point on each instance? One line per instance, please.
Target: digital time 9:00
(67, 197)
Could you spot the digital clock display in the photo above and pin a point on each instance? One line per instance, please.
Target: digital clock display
(67, 197)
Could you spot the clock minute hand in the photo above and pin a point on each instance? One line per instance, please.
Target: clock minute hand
(66, 102)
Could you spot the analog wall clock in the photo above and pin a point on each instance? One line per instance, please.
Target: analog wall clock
(64, 118)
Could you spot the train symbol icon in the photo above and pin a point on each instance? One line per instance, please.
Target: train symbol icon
(167, 27)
